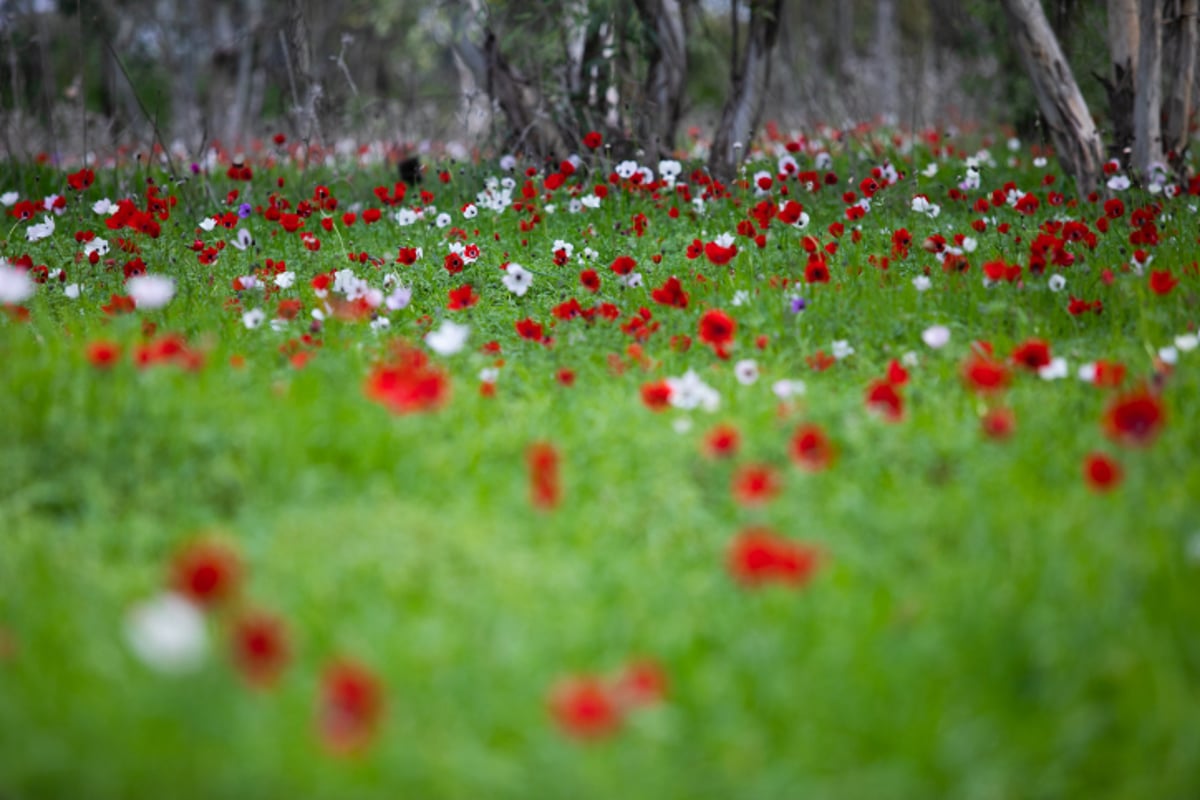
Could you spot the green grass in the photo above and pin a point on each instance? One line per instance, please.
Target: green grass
(982, 625)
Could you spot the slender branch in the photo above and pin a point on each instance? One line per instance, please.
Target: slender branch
(145, 112)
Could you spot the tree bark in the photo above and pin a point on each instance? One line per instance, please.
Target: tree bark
(744, 105)
(1179, 71)
(887, 66)
(1147, 106)
(666, 75)
(1076, 139)
(1120, 85)
(308, 86)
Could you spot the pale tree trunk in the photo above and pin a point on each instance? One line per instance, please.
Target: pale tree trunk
(239, 112)
(666, 75)
(887, 66)
(744, 105)
(532, 129)
(1076, 139)
(306, 89)
(1179, 71)
(844, 24)
(1121, 83)
(1147, 105)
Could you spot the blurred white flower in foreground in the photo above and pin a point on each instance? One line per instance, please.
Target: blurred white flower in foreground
(167, 633)
(150, 291)
(15, 284)
(936, 336)
(448, 339)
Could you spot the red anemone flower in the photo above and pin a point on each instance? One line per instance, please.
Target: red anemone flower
(1135, 418)
(811, 448)
(585, 708)
(717, 329)
(349, 707)
(206, 572)
(1102, 472)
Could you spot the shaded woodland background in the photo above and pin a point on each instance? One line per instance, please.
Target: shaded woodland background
(94, 75)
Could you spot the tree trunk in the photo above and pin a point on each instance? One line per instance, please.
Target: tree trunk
(1179, 71)
(1147, 105)
(1076, 139)
(666, 75)
(887, 66)
(844, 24)
(307, 87)
(1120, 85)
(743, 108)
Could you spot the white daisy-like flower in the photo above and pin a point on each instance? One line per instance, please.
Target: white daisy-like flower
(969, 244)
(285, 280)
(930, 170)
(167, 633)
(633, 280)
(669, 169)
(71, 291)
(442, 220)
(517, 279)
(922, 283)
(746, 371)
(1119, 183)
(1087, 372)
(590, 201)
(150, 292)
(41, 230)
(489, 374)
(469, 211)
(405, 217)
(842, 349)
(448, 339)
(936, 336)
(253, 318)
(922, 205)
(15, 284)
(689, 392)
(508, 162)
(626, 170)
(1056, 369)
(98, 246)
(1169, 355)
(785, 389)
(1056, 283)
(243, 239)
(400, 297)
(910, 358)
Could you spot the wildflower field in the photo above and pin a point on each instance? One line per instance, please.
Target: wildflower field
(872, 474)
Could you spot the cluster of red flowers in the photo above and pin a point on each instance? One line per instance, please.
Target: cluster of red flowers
(407, 383)
(591, 707)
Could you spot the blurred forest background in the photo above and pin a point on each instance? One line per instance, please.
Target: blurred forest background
(94, 75)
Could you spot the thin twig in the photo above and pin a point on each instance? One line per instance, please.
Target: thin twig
(145, 112)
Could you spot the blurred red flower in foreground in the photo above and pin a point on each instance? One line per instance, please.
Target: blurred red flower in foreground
(755, 484)
(1134, 418)
(350, 705)
(811, 448)
(717, 329)
(592, 707)
(260, 648)
(206, 573)
(408, 383)
(1101, 472)
(545, 486)
(759, 555)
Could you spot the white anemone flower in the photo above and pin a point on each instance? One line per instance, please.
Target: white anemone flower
(448, 339)
(150, 291)
(167, 633)
(517, 279)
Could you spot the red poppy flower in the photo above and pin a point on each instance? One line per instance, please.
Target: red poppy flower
(984, 374)
(998, 423)
(1162, 281)
(758, 556)
(811, 448)
(544, 482)
(671, 293)
(755, 484)
(816, 271)
(1032, 354)
(883, 398)
(623, 265)
(717, 329)
(529, 329)
(592, 140)
(722, 441)
(462, 297)
(720, 254)
(453, 263)
(657, 395)
(103, 354)
(1102, 472)
(260, 648)
(206, 572)
(585, 708)
(590, 280)
(1135, 418)
(350, 706)
(641, 683)
(408, 383)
